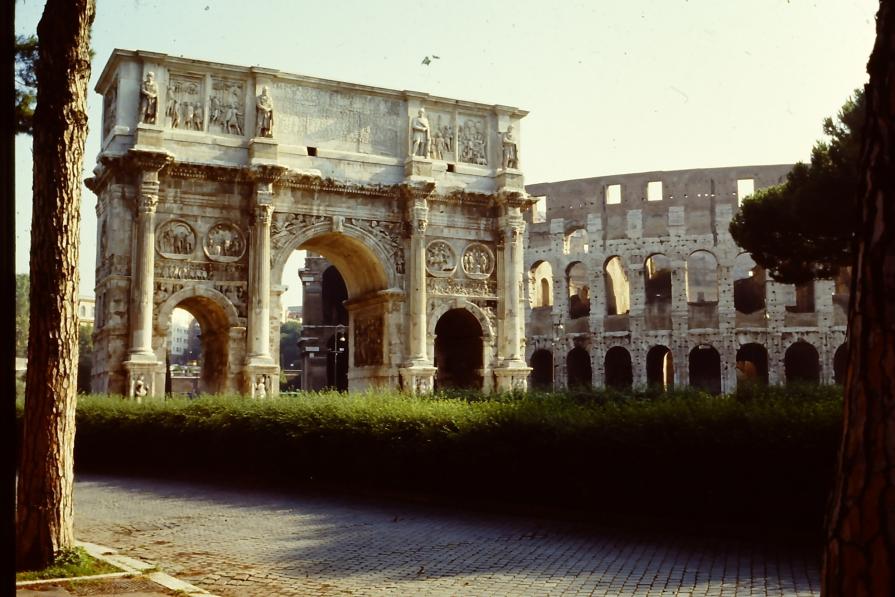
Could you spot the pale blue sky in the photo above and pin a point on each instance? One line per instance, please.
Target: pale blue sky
(612, 87)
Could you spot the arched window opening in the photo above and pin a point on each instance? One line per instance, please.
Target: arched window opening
(702, 278)
(705, 369)
(802, 363)
(657, 290)
(576, 242)
(752, 364)
(617, 365)
(579, 291)
(749, 283)
(541, 285)
(840, 364)
(458, 351)
(541, 369)
(660, 368)
(618, 295)
(578, 368)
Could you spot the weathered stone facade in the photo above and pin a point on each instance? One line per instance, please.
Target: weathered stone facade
(634, 279)
(211, 175)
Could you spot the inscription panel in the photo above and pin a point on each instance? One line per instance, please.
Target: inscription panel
(337, 120)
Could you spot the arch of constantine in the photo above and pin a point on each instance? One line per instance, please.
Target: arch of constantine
(211, 175)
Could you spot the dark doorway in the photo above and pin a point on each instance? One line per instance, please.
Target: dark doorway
(542, 370)
(752, 364)
(458, 351)
(619, 374)
(337, 360)
(705, 369)
(578, 368)
(660, 368)
(840, 364)
(802, 363)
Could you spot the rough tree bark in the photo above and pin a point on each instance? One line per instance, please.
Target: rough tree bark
(46, 472)
(860, 552)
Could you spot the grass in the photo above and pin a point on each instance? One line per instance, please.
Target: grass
(71, 563)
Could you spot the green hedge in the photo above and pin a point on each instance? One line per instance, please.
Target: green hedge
(763, 457)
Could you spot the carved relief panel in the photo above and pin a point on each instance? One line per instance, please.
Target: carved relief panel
(226, 107)
(472, 139)
(184, 104)
(441, 143)
(478, 261)
(441, 260)
(224, 242)
(367, 341)
(110, 108)
(175, 239)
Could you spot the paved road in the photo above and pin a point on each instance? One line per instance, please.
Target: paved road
(262, 542)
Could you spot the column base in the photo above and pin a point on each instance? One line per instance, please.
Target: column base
(261, 379)
(512, 377)
(143, 377)
(418, 379)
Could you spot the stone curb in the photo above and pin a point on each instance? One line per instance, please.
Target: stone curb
(129, 566)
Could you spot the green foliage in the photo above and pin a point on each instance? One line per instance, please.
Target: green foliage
(764, 459)
(290, 332)
(803, 229)
(85, 357)
(26, 82)
(23, 312)
(70, 563)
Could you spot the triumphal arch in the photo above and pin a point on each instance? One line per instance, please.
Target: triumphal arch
(211, 175)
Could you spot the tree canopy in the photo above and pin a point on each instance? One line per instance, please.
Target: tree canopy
(804, 228)
(26, 82)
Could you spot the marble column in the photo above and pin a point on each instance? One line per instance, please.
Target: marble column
(143, 368)
(418, 374)
(513, 372)
(261, 370)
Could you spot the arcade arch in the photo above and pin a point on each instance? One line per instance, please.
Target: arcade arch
(705, 369)
(618, 370)
(579, 291)
(702, 277)
(458, 351)
(541, 284)
(618, 295)
(660, 367)
(801, 363)
(752, 364)
(749, 284)
(657, 291)
(541, 364)
(579, 371)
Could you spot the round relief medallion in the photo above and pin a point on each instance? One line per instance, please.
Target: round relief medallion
(175, 239)
(478, 262)
(224, 242)
(441, 261)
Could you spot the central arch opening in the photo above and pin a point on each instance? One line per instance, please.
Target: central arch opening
(458, 351)
(198, 347)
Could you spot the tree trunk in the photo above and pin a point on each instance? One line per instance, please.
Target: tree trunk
(46, 473)
(860, 552)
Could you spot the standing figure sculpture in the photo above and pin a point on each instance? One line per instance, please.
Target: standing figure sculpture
(140, 389)
(149, 99)
(264, 113)
(420, 135)
(510, 150)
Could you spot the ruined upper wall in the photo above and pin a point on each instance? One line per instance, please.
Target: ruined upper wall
(206, 113)
(691, 200)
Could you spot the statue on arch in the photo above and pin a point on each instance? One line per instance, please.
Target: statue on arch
(419, 127)
(149, 99)
(264, 113)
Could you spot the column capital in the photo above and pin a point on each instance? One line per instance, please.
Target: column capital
(263, 213)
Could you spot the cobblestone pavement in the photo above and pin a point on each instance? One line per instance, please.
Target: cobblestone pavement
(262, 542)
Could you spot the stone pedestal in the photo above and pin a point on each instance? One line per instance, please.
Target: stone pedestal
(512, 378)
(418, 380)
(418, 167)
(145, 378)
(263, 151)
(510, 180)
(261, 380)
(149, 137)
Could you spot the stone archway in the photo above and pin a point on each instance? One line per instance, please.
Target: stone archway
(224, 211)
(541, 369)
(801, 363)
(578, 368)
(660, 367)
(705, 369)
(458, 351)
(619, 373)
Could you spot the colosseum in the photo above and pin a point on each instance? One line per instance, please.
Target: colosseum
(634, 280)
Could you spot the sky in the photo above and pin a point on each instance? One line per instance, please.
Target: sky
(612, 87)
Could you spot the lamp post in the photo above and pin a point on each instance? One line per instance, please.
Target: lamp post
(338, 350)
(558, 331)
